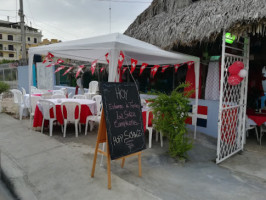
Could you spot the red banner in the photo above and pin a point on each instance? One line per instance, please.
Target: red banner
(189, 63)
(59, 61)
(59, 68)
(124, 70)
(107, 57)
(93, 66)
(164, 68)
(176, 67)
(143, 66)
(48, 58)
(67, 71)
(154, 70)
(101, 70)
(79, 70)
(121, 59)
(133, 65)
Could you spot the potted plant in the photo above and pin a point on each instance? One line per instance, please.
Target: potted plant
(3, 88)
(170, 113)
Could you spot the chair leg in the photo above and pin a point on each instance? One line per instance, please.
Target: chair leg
(150, 138)
(65, 126)
(79, 127)
(51, 127)
(86, 127)
(257, 134)
(161, 138)
(42, 125)
(20, 112)
(76, 128)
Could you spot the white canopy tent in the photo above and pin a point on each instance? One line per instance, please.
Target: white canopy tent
(90, 49)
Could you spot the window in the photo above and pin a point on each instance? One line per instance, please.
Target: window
(1, 47)
(11, 55)
(1, 37)
(28, 39)
(35, 40)
(10, 47)
(10, 37)
(1, 54)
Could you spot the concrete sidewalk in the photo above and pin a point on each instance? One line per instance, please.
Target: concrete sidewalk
(43, 167)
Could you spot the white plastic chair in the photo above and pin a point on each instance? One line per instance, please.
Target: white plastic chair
(47, 96)
(93, 89)
(64, 91)
(46, 106)
(19, 100)
(250, 124)
(150, 129)
(79, 96)
(94, 118)
(59, 92)
(70, 109)
(23, 91)
(58, 96)
(34, 100)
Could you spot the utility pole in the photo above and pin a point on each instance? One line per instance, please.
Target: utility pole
(23, 35)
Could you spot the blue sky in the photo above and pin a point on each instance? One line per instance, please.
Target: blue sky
(75, 19)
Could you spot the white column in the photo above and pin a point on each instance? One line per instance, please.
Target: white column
(113, 75)
(197, 73)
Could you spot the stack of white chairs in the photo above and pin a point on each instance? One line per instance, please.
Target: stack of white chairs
(19, 100)
(79, 96)
(46, 107)
(94, 118)
(93, 89)
(70, 115)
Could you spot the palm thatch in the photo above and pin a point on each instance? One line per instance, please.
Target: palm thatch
(168, 23)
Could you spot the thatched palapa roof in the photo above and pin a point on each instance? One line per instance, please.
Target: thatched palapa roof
(168, 23)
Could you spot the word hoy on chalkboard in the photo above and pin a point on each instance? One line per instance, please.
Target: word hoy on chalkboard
(123, 118)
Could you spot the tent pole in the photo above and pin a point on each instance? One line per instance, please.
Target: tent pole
(113, 74)
(197, 68)
(31, 55)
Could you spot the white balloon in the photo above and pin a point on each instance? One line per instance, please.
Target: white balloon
(243, 73)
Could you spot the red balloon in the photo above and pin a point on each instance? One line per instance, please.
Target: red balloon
(235, 68)
(234, 80)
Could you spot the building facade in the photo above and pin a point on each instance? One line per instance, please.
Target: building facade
(10, 40)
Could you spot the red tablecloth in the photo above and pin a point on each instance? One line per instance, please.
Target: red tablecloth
(38, 117)
(258, 118)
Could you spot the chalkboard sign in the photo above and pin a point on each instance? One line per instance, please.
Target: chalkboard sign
(123, 118)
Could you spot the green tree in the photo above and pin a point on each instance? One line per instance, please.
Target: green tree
(170, 113)
(3, 87)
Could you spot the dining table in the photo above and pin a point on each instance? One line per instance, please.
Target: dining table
(88, 107)
(258, 117)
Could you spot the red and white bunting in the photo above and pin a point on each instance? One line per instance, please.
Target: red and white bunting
(133, 65)
(121, 59)
(124, 70)
(48, 58)
(59, 68)
(93, 66)
(79, 70)
(67, 71)
(107, 57)
(176, 67)
(189, 64)
(154, 70)
(164, 68)
(143, 66)
(59, 61)
(101, 70)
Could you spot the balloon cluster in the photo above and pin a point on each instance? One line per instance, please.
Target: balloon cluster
(236, 73)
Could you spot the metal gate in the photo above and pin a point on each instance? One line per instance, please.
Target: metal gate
(232, 107)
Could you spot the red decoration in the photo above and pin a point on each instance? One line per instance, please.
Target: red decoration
(59, 68)
(189, 63)
(67, 71)
(59, 61)
(143, 66)
(101, 70)
(236, 69)
(107, 57)
(176, 67)
(79, 70)
(154, 70)
(124, 70)
(121, 59)
(133, 65)
(164, 68)
(93, 66)
(48, 58)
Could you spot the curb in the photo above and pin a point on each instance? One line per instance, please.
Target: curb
(14, 178)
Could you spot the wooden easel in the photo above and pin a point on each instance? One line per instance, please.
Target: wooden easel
(101, 138)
